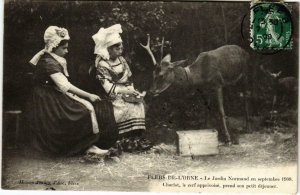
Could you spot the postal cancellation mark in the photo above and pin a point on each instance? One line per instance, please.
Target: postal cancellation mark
(270, 26)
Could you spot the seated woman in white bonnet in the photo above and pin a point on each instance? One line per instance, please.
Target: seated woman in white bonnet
(62, 123)
(113, 74)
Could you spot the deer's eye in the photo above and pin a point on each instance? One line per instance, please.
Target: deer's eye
(157, 70)
(160, 76)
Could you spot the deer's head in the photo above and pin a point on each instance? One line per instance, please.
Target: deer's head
(163, 74)
(273, 76)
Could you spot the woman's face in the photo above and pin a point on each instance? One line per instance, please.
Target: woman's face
(115, 50)
(61, 50)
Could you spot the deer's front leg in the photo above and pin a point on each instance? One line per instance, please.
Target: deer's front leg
(207, 110)
(273, 105)
(222, 115)
(248, 128)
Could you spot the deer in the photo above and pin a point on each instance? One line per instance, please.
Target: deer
(215, 69)
(282, 86)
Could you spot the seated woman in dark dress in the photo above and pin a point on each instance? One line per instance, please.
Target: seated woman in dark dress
(61, 122)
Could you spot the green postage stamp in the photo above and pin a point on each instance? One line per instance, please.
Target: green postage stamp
(270, 26)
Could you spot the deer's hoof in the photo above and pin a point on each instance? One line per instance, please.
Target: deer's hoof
(228, 143)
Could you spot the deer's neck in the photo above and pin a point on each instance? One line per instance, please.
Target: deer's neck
(182, 76)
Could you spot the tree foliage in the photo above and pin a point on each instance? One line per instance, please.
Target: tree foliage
(188, 28)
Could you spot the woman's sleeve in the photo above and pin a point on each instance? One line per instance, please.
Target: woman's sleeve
(105, 78)
(61, 81)
(127, 67)
(50, 66)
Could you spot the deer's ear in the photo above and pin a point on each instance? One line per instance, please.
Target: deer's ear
(167, 58)
(178, 63)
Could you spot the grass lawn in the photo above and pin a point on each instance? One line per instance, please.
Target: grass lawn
(131, 173)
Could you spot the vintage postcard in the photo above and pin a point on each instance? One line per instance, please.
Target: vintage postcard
(141, 96)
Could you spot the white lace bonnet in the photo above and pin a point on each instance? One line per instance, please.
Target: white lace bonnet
(52, 37)
(105, 38)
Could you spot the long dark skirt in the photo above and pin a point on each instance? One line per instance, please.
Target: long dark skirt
(107, 124)
(59, 125)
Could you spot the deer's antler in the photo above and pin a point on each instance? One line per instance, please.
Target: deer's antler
(273, 75)
(162, 48)
(147, 47)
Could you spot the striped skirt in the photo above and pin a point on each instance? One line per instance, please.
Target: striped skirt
(128, 116)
